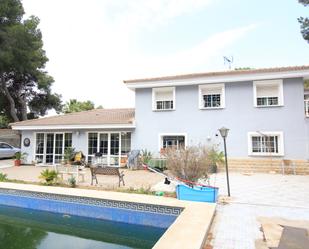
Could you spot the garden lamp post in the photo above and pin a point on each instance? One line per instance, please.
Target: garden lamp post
(223, 132)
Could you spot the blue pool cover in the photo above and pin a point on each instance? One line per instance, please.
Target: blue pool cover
(196, 193)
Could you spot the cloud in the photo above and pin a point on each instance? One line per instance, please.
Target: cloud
(89, 45)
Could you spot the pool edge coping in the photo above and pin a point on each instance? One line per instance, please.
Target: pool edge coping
(189, 230)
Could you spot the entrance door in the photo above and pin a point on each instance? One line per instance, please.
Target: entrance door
(104, 147)
(114, 149)
(49, 148)
(59, 149)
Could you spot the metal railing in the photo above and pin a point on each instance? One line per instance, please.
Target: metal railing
(307, 108)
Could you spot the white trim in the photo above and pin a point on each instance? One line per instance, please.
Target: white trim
(72, 127)
(267, 133)
(200, 99)
(157, 89)
(160, 140)
(278, 82)
(197, 80)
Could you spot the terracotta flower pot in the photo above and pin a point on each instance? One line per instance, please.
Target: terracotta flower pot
(17, 162)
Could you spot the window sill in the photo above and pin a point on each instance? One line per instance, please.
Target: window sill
(163, 110)
(211, 108)
(265, 155)
(267, 106)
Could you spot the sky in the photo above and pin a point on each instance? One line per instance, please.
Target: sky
(94, 45)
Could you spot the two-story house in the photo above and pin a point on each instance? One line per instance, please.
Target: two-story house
(266, 110)
(263, 108)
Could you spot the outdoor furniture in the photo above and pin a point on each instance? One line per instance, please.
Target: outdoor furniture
(287, 164)
(78, 159)
(107, 170)
(71, 170)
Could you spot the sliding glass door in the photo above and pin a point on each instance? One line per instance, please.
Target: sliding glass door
(114, 147)
(50, 147)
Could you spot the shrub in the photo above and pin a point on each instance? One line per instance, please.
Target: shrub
(72, 182)
(49, 176)
(20, 156)
(191, 163)
(68, 154)
(146, 156)
(215, 157)
(3, 177)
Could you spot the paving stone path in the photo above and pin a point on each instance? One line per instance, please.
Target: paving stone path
(235, 225)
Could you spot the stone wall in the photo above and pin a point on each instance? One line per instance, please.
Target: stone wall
(11, 137)
(265, 166)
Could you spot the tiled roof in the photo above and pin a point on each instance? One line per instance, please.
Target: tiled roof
(222, 73)
(92, 117)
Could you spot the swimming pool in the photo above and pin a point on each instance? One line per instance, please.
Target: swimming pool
(22, 228)
(100, 219)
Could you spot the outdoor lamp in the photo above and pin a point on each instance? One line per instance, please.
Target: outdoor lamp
(223, 132)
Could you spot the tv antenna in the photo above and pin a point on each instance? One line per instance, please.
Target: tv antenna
(228, 60)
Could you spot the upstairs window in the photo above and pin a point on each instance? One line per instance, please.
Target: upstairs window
(268, 93)
(163, 98)
(211, 96)
(265, 143)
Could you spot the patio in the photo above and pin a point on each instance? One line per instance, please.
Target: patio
(133, 179)
(236, 224)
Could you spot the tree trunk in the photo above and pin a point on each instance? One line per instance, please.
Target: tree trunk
(7, 94)
(23, 107)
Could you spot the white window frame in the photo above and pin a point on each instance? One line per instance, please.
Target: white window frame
(266, 133)
(278, 82)
(161, 135)
(108, 156)
(210, 86)
(45, 143)
(161, 89)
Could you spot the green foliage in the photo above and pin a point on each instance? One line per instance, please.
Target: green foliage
(68, 154)
(243, 68)
(304, 22)
(146, 156)
(77, 106)
(306, 84)
(158, 163)
(215, 157)
(50, 177)
(4, 121)
(3, 177)
(20, 156)
(25, 87)
(72, 182)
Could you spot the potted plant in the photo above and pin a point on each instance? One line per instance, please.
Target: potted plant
(68, 155)
(18, 157)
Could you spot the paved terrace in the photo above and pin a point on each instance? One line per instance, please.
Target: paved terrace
(236, 226)
(133, 179)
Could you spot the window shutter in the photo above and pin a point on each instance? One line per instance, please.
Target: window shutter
(164, 96)
(211, 90)
(267, 91)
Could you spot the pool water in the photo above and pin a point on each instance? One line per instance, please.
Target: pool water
(22, 228)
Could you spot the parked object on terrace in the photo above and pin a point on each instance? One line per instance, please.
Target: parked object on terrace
(7, 150)
(107, 170)
(197, 193)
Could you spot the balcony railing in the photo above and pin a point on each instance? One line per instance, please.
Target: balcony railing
(307, 108)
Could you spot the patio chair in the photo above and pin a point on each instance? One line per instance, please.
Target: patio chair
(286, 165)
(72, 170)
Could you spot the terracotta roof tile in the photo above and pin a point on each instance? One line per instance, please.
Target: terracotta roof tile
(92, 117)
(221, 73)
